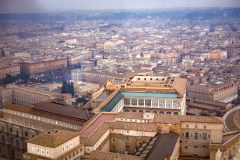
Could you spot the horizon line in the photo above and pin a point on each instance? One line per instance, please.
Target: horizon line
(136, 9)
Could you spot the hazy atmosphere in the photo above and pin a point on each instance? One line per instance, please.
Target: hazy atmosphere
(119, 79)
(15, 6)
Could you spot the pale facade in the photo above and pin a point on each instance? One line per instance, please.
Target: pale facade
(24, 96)
(68, 148)
(196, 138)
(53, 153)
(28, 97)
(12, 70)
(6, 96)
(37, 122)
(92, 77)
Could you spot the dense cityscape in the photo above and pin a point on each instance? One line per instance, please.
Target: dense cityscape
(120, 85)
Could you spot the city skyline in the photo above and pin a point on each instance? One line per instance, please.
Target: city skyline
(44, 6)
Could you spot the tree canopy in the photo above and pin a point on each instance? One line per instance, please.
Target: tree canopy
(68, 87)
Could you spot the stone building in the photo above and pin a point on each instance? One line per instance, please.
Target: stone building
(20, 123)
(218, 91)
(54, 145)
(12, 70)
(153, 136)
(128, 136)
(42, 66)
(44, 116)
(143, 93)
(25, 96)
(93, 76)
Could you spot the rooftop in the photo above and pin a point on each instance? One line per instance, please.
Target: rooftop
(63, 110)
(39, 112)
(232, 119)
(52, 138)
(95, 122)
(166, 84)
(112, 102)
(160, 151)
(99, 155)
(200, 119)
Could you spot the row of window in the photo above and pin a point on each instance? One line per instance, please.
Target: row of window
(151, 102)
(225, 87)
(162, 79)
(196, 126)
(99, 76)
(68, 146)
(17, 133)
(26, 115)
(196, 135)
(40, 151)
(148, 111)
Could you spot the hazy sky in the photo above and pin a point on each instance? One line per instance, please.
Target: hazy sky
(9, 6)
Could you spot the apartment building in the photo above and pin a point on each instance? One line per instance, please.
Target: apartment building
(165, 58)
(42, 66)
(6, 95)
(93, 76)
(218, 91)
(44, 116)
(25, 96)
(209, 108)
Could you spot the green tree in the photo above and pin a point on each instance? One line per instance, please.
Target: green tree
(81, 100)
(64, 87)
(72, 89)
(8, 79)
(68, 87)
(24, 76)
